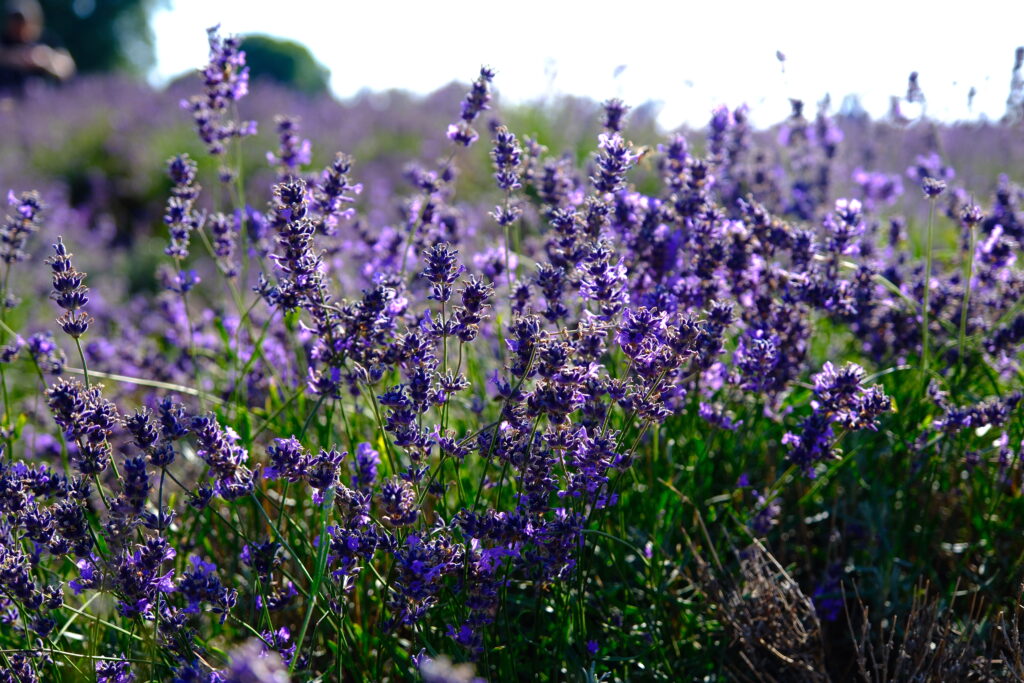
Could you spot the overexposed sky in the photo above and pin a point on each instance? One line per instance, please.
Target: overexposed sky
(689, 56)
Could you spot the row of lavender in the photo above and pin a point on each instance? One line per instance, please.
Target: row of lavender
(90, 148)
(570, 422)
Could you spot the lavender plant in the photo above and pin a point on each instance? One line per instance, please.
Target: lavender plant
(622, 418)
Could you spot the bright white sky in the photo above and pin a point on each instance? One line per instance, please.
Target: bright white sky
(690, 56)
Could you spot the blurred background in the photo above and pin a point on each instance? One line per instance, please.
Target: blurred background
(90, 89)
(685, 58)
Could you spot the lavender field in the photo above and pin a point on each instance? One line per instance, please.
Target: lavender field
(435, 389)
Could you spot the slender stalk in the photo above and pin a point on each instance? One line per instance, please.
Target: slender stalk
(240, 377)
(321, 565)
(408, 245)
(270, 418)
(3, 366)
(191, 348)
(392, 459)
(497, 426)
(508, 271)
(965, 306)
(8, 430)
(419, 219)
(926, 300)
(81, 356)
(302, 434)
(142, 382)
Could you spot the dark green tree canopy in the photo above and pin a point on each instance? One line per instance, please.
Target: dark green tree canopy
(103, 35)
(286, 62)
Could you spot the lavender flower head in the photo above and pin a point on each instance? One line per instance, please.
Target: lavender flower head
(615, 157)
(219, 448)
(225, 80)
(878, 188)
(224, 228)
(442, 670)
(615, 111)
(477, 100)
(844, 225)
(300, 262)
(971, 215)
(721, 122)
(933, 187)
(252, 663)
(603, 281)
(200, 584)
(840, 399)
(507, 156)
(114, 671)
(333, 192)
(766, 514)
(293, 151)
(180, 215)
(289, 460)
(365, 465)
(69, 291)
(18, 225)
(442, 270)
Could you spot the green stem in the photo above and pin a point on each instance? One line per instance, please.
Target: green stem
(270, 418)
(239, 378)
(321, 565)
(81, 356)
(925, 350)
(965, 306)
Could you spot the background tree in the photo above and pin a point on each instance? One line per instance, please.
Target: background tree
(103, 35)
(285, 61)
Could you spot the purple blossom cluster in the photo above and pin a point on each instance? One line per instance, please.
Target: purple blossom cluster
(476, 102)
(225, 81)
(840, 402)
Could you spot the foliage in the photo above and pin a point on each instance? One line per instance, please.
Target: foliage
(104, 35)
(285, 62)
